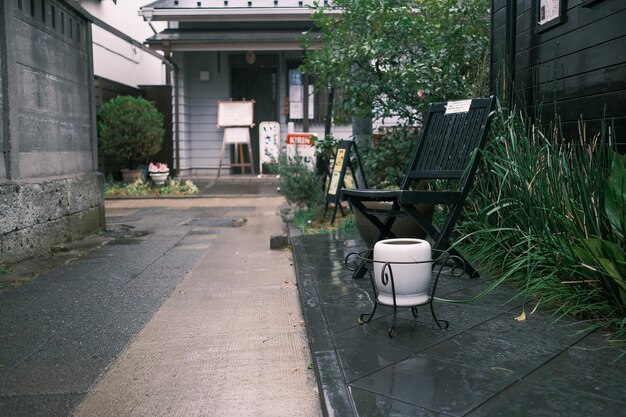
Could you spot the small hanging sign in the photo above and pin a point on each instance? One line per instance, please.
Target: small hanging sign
(301, 144)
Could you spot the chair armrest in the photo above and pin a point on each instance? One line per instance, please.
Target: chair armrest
(369, 194)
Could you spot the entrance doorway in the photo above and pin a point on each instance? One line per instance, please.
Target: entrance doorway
(255, 81)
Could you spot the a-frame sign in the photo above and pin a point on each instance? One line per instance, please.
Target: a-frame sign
(343, 161)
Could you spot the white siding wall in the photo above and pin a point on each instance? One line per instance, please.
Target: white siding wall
(117, 59)
(200, 139)
(203, 140)
(182, 124)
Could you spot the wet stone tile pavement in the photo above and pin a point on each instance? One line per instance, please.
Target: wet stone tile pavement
(486, 363)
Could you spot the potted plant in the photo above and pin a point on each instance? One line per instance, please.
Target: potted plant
(158, 172)
(131, 129)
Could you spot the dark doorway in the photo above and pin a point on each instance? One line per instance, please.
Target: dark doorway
(256, 81)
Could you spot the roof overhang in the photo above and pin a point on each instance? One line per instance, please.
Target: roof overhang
(202, 25)
(227, 14)
(173, 40)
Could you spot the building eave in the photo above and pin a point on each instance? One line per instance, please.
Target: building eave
(241, 14)
(169, 41)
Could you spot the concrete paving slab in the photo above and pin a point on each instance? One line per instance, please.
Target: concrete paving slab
(485, 363)
(229, 340)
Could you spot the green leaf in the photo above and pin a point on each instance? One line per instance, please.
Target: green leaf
(615, 197)
(610, 260)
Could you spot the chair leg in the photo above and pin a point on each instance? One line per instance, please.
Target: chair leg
(384, 228)
(441, 237)
(469, 269)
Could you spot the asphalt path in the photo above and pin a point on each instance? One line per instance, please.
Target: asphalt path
(183, 311)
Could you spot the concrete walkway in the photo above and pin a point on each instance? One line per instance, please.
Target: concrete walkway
(186, 312)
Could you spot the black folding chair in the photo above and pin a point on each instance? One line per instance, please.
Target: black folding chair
(448, 150)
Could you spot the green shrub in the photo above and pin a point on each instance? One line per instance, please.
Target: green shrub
(130, 128)
(543, 213)
(298, 183)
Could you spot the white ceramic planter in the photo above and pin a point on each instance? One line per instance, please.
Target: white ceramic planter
(411, 279)
(159, 177)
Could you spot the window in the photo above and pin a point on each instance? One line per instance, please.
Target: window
(295, 94)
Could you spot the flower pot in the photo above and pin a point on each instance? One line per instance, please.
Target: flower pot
(131, 175)
(404, 225)
(158, 178)
(411, 280)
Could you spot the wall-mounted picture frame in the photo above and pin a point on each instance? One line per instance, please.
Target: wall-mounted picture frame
(549, 14)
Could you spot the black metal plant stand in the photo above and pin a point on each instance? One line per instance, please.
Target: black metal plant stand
(440, 258)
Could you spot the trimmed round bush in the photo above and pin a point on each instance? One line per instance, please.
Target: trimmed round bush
(131, 129)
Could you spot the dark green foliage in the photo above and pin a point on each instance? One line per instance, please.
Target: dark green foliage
(606, 257)
(387, 158)
(324, 151)
(130, 128)
(393, 57)
(325, 148)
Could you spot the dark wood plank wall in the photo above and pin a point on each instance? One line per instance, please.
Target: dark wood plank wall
(161, 96)
(107, 90)
(576, 69)
(500, 71)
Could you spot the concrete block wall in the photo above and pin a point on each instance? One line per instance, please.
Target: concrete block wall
(50, 190)
(39, 215)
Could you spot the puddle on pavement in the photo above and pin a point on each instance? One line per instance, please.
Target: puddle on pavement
(124, 234)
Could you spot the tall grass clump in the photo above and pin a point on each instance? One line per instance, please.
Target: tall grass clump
(548, 214)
